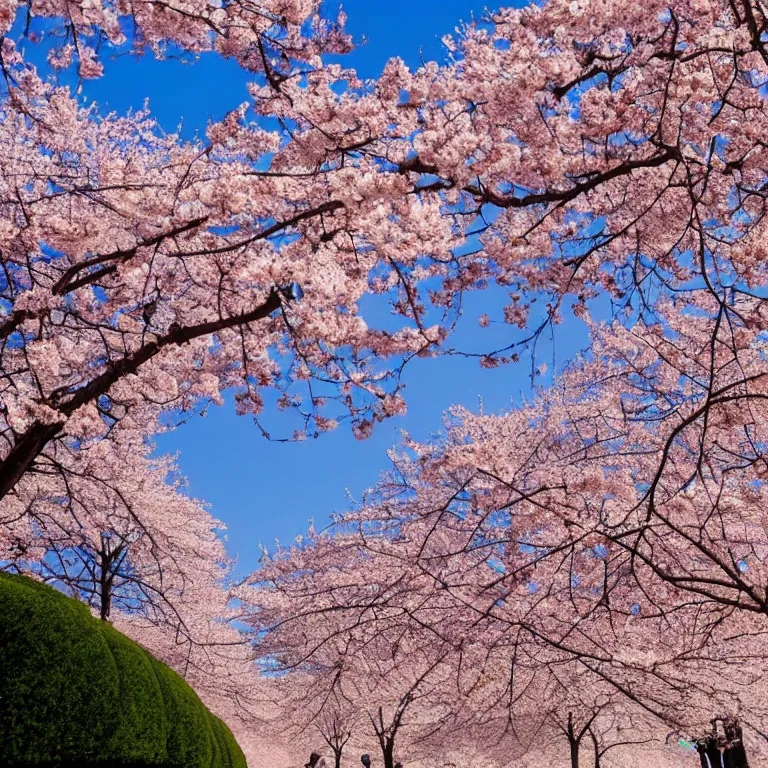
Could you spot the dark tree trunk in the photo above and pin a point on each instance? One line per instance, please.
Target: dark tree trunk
(108, 560)
(106, 603)
(24, 453)
(31, 444)
(573, 742)
(105, 587)
(388, 752)
(574, 754)
(337, 758)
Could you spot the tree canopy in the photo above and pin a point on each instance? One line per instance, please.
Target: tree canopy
(600, 547)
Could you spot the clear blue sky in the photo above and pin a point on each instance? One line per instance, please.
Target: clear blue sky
(264, 490)
(406, 28)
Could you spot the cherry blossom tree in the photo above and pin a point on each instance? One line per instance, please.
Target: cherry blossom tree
(165, 272)
(342, 648)
(595, 721)
(335, 626)
(124, 536)
(600, 150)
(264, 37)
(335, 726)
(579, 153)
(147, 557)
(585, 526)
(145, 275)
(80, 365)
(373, 188)
(329, 728)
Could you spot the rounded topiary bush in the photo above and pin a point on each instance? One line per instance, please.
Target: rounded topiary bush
(76, 692)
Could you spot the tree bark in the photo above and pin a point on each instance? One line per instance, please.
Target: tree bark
(574, 754)
(573, 742)
(109, 561)
(389, 754)
(596, 746)
(26, 450)
(105, 598)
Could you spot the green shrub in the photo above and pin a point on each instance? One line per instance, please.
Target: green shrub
(76, 692)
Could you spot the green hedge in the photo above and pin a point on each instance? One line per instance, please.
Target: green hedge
(76, 692)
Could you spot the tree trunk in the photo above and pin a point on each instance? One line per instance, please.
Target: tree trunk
(106, 604)
(389, 753)
(106, 560)
(24, 453)
(574, 754)
(105, 591)
(596, 745)
(31, 444)
(337, 758)
(573, 742)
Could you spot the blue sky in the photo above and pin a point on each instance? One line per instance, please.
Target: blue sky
(263, 490)
(213, 86)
